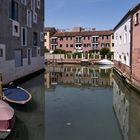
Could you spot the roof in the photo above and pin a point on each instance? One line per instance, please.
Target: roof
(127, 15)
(51, 30)
(83, 33)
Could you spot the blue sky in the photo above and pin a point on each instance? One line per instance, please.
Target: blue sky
(99, 14)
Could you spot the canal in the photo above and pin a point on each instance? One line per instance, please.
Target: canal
(78, 103)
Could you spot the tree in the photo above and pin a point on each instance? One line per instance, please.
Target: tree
(104, 51)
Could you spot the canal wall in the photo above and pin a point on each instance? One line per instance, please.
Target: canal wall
(11, 73)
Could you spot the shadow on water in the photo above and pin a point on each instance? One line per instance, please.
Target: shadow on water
(28, 107)
(19, 132)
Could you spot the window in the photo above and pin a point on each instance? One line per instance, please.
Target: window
(29, 18)
(137, 19)
(88, 45)
(14, 10)
(71, 45)
(112, 44)
(33, 5)
(18, 58)
(66, 38)
(78, 39)
(102, 45)
(15, 28)
(107, 37)
(35, 17)
(102, 37)
(95, 39)
(35, 39)
(60, 45)
(1, 52)
(38, 51)
(41, 36)
(67, 45)
(23, 36)
(107, 45)
(24, 2)
(38, 4)
(84, 45)
(70, 38)
(84, 38)
(88, 38)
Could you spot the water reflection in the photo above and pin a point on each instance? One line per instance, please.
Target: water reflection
(78, 104)
(77, 75)
(30, 117)
(126, 102)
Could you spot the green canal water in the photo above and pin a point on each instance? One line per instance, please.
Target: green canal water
(78, 103)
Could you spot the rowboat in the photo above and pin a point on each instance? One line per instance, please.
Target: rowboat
(7, 119)
(16, 95)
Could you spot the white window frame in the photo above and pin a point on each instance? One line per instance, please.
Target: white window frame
(22, 36)
(14, 32)
(38, 4)
(24, 2)
(33, 3)
(38, 50)
(41, 36)
(29, 18)
(34, 17)
(2, 46)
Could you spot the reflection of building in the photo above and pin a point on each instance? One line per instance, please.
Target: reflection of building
(121, 107)
(21, 38)
(77, 75)
(126, 103)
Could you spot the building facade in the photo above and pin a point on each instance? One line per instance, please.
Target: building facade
(21, 38)
(127, 46)
(136, 45)
(122, 43)
(81, 40)
(48, 32)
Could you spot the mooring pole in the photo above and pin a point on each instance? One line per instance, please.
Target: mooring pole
(1, 93)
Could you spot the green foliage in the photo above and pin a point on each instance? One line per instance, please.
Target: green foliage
(104, 51)
(46, 50)
(79, 54)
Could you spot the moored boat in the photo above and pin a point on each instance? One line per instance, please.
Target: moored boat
(105, 62)
(16, 95)
(7, 119)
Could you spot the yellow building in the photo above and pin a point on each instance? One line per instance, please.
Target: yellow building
(48, 32)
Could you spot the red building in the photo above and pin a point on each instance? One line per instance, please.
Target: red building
(136, 45)
(81, 40)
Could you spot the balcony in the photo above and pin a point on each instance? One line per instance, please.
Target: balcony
(95, 39)
(54, 41)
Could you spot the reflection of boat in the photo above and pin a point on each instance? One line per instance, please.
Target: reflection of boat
(105, 62)
(16, 95)
(106, 66)
(7, 119)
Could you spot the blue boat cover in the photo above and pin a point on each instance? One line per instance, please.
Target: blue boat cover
(16, 94)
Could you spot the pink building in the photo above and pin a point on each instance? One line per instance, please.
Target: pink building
(81, 40)
(136, 46)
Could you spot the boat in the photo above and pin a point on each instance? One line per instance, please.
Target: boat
(105, 62)
(16, 95)
(7, 119)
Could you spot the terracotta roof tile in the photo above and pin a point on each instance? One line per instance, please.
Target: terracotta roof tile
(83, 33)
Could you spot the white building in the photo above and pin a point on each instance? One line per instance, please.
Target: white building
(122, 43)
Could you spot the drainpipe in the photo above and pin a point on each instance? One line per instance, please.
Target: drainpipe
(131, 44)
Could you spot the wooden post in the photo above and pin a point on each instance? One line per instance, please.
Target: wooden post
(1, 94)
